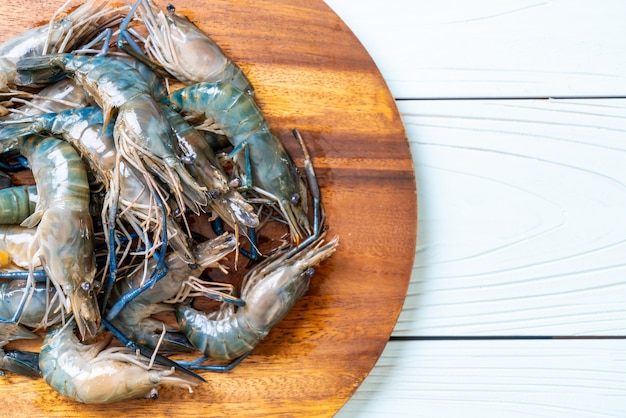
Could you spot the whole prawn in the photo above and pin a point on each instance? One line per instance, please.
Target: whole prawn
(135, 320)
(270, 290)
(273, 171)
(185, 51)
(64, 236)
(94, 374)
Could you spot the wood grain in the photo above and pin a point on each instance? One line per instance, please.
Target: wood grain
(310, 73)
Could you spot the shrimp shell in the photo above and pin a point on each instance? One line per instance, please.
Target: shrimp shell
(92, 374)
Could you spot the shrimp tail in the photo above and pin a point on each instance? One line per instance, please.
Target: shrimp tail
(24, 363)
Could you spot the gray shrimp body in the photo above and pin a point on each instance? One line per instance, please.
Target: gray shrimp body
(186, 52)
(135, 320)
(64, 236)
(270, 291)
(35, 314)
(93, 374)
(273, 170)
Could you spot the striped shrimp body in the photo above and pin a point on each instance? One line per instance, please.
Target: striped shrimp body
(273, 171)
(64, 237)
(135, 320)
(204, 166)
(38, 313)
(17, 203)
(185, 51)
(270, 290)
(94, 374)
(35, 314)
(60, 35)
(83, 128)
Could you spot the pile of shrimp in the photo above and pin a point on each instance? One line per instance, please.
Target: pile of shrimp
(164, 218)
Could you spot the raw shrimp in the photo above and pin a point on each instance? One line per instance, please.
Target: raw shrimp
(142, 136)
(204, 166)
(273, 172)
(92, 374)
(135, 321)
(64, 237)
(185, 51)
(270, 290)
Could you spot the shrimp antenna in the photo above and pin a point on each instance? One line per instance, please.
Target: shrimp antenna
(319, 216)
(126, 43)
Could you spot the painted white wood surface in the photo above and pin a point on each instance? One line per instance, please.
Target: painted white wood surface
(574, 379)
(521, 206)
(491, 48)
(522, 217)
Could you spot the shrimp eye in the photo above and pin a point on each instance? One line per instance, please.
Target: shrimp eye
(154, 394)
(234, 183)
(188, 159)
(170, 8)
(214, 194)
(295, 199)
(309, 272)
(86, 286)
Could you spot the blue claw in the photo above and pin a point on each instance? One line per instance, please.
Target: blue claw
(218, 227)
(159, 272)
(195, 364)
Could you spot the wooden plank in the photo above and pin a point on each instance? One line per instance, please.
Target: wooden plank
(580, 378)
(521, 48)
(330, 90)
(521, 224)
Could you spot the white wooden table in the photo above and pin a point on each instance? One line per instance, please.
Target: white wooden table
(516, 116)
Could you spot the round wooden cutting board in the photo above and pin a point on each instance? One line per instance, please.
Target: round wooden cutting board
(311, 73)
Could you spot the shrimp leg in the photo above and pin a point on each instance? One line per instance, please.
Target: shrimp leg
(217, 225)
(218, 368)
(126, 43)
(159, 272)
